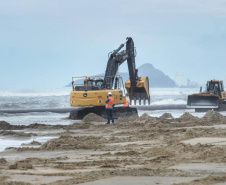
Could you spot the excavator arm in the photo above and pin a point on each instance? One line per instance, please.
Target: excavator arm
(131, 62)
(116, 58)
(137, 87)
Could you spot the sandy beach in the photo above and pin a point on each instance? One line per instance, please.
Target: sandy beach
(135, 150)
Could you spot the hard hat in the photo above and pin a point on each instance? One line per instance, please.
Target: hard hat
(109, 93)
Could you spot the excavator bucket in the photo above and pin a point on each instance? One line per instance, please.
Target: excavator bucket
(140, 92)
(203, 101)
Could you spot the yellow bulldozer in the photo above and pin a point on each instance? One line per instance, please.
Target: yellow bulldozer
(92, 91)
(213, 98)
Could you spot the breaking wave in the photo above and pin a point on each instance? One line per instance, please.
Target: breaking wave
(172, 91)
(19, 94)
(169, 101)
(35, 92)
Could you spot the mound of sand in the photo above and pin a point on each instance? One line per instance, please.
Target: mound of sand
(166, 116)
(188, 117)
(128, 153)
(152, 120)
(91, 117)
(144, 117)
(17, 134)
(22, 165)
(79, 126)
(4, 125)
(71, 143)
(38, 126)
(190, 133)
(2, 178)
(126, 119)
(180, 152)
(2, 161)
(32, 143)
(213, 116)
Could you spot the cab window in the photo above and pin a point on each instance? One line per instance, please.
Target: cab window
(89, 82)
(99, 83)
(210, 86)
(221, 87)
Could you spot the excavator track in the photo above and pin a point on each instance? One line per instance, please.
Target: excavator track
(81, 112)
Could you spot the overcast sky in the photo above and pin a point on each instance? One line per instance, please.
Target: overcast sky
(44, 43)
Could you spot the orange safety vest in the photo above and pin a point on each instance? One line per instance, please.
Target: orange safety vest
(109, 104)
(126, 104)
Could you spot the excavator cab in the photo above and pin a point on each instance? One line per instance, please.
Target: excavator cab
(99, 82)
(89, 82)
(93, 82)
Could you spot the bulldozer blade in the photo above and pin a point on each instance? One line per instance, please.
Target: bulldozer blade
(201, 101)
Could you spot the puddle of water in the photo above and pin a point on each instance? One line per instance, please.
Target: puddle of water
(16, 142)
(38, 179)
(206, 140)
(134, 143)
(131, 180)
(220, 167)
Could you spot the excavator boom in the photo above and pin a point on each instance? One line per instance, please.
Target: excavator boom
(137, 87)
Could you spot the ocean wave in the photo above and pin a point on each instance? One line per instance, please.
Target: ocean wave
(21, 94)
(34, 102)
(172, 91)
(169, 101)
(36, 117)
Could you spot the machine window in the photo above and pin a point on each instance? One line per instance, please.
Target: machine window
(99, 83)
(221, 88)
(88, 82)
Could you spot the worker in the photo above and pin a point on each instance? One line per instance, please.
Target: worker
(126, 104)
(109, 107)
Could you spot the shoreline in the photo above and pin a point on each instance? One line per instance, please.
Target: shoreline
(66, 110)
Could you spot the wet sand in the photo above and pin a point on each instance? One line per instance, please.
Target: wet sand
(136, 150)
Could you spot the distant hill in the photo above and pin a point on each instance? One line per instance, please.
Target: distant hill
(156, 77)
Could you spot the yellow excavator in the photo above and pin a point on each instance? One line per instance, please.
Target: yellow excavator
(93, 90)
(214, 97)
